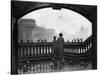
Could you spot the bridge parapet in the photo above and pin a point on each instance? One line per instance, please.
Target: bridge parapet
(40, 50)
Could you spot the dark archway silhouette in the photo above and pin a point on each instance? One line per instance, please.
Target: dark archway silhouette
(21, 8)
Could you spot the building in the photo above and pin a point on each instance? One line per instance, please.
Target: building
(25, 28)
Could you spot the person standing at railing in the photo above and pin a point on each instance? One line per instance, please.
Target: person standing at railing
(60, 45)
(55, 47)
(55, 51)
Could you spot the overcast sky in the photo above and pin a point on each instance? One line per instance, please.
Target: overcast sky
(66, 21)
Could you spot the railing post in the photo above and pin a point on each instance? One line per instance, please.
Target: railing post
(46, 50)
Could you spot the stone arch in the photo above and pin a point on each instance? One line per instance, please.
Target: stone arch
(20, 8)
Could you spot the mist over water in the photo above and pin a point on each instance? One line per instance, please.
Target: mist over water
(43, 33)
(51, 22)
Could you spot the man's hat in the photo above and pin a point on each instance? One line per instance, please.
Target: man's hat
(60, 34)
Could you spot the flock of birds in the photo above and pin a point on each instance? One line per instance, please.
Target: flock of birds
(44, 40)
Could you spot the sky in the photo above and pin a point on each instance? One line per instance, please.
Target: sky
(70, 23)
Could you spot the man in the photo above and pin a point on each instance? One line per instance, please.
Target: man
(55, 47)
(55, 52)
(60, 45)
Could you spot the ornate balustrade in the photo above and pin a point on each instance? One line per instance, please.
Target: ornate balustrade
(78, 50)
(26, 50)
(41, 50)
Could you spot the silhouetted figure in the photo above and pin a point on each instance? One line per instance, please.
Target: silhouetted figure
(75, 40)
(60, 45)
(78, 40)
(55, 52)
(45, 40)
(55, 45)
(81, 40)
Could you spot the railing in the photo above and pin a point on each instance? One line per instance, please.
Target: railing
(35, 49)
(45, 49)
(78, 50)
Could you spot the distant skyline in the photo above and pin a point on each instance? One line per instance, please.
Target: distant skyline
(70, 23)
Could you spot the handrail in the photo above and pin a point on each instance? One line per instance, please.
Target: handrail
(41, 49)
(50, 43)
(79, 43)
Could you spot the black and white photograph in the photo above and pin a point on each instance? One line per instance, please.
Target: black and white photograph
(52, 37)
